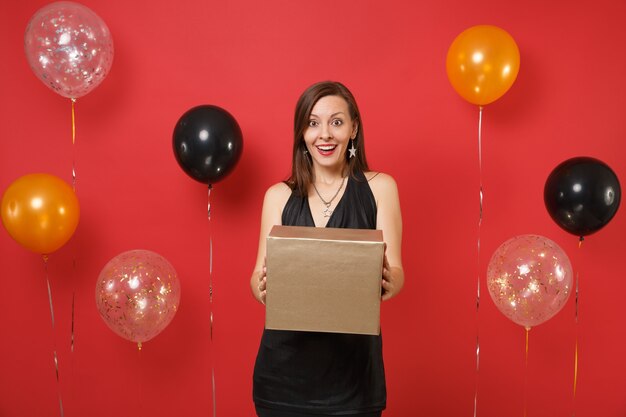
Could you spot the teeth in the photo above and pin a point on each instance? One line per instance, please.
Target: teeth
(326, 147)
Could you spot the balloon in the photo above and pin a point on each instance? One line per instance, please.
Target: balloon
(69, 48)
(40, 211)
(529, 278)
(138, 294)
(482, 64)
(207, 143)
(582, 195)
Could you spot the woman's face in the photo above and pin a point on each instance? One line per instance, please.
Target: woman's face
(329, 131)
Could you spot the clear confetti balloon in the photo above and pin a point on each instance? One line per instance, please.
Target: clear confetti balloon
(69, 48)
(529, 278)
(138, 294)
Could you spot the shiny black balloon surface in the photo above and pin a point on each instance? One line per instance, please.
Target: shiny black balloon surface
(582, 195)
(207, 143)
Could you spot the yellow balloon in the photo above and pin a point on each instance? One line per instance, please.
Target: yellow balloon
(40, 211)
(482, 64)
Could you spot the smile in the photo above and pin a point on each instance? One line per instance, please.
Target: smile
(326, 148)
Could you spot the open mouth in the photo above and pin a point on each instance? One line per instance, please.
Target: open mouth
(326, 149)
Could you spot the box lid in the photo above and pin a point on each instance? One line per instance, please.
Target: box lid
(326, 233)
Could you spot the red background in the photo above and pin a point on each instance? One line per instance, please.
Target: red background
(254, 59)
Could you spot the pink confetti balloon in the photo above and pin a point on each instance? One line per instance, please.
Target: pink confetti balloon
(138, 294)
(529, 278)
(69, 48)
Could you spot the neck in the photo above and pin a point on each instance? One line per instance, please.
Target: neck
(329, 175)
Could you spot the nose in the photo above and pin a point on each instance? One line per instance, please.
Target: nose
(325, 132)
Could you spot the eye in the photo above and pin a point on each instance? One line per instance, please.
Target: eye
(336, 122)
(313, 123)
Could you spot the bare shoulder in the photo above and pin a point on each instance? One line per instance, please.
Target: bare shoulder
(277, 195)
(381, 184)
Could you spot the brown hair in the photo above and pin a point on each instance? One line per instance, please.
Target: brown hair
(301, 166)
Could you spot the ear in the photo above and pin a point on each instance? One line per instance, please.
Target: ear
(355, 129)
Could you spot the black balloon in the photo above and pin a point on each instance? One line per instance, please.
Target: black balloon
(207, 143)
(582, 195)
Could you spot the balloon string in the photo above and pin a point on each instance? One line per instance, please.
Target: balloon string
(45, 264)
(73, 121)
(54, 350)
(480, 219)
(211, 323)
(575, 372)
(580, 243)
(480, 146)
(73, 101)
(73, 144)
(213, 384)
(480, 162)
(73, 307)
(72, 392)
(140, 385)
(210, 187)
(209, 203)
(526, 374)
(477, 366)
(526, 355)
(211, 281)
(210, 255)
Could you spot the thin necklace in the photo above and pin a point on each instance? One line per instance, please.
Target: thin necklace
(327, 211)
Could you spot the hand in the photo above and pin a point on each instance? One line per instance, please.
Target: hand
(388, 284)
(258, 283)
(263, 285)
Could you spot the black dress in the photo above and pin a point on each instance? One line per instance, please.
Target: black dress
(323, 373)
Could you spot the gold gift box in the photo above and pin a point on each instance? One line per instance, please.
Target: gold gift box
(324, 279)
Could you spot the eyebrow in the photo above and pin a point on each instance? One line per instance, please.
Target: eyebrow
(332, 115)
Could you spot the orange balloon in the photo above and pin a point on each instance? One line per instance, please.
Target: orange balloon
(40, 211)
(482, 64)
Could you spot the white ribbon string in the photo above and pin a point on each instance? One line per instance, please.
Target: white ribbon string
(211, 299)
(54, 350)
(480, 220)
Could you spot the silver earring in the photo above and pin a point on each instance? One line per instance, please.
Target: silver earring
(352, 149)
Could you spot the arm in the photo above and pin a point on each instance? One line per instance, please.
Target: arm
(273, 203)
(389, 220)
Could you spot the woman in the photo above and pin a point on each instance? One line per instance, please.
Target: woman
(307, 373)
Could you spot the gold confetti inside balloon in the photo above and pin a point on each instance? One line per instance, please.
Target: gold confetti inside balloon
(529, 278)
(138, 294)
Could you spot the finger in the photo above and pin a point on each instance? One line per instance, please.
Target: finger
(387, 290)
(386, 274)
